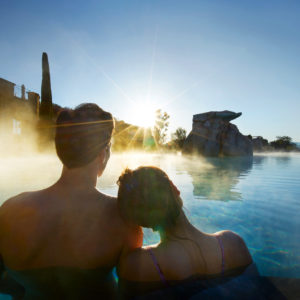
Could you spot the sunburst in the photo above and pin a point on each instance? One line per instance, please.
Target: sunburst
(141, 113)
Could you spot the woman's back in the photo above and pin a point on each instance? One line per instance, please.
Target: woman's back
(199, 254)
(147, 197)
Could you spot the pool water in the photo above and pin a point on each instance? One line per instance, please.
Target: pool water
(258, 198)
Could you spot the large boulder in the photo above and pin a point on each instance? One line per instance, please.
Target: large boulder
(213, 135)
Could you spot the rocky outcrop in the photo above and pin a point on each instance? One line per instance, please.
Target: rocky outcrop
(213, 135)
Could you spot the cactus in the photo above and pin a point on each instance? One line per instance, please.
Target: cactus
(46, 95)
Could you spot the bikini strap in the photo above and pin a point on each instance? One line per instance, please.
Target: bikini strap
(222, 251)
(159, 270)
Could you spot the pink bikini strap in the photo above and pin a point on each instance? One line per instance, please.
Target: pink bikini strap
(222, 251)
(159, 270)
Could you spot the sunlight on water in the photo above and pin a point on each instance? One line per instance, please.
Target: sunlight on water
(258, 198)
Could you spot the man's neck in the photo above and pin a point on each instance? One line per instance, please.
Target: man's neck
(78, 178)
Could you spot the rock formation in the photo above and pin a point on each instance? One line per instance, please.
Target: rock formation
(213, 135)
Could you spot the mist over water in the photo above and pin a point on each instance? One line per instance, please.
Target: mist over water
(36, 171)
(258, 198)
(27, 173)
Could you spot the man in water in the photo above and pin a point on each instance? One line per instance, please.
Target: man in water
(64, 241)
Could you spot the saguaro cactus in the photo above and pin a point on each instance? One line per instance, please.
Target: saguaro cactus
(46, 95)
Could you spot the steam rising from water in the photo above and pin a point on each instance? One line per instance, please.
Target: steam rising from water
(172, 164)
(38, 171)
(27, 173)
(208, 179)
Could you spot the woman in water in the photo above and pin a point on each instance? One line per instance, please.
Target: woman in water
(148, 198)
(63, 242)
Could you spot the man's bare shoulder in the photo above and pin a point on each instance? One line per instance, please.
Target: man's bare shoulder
(16, 204)
(15, 201)
(109, 209)
(110, 204)
(110, 199)
(132, 264)
(113, 210)
(130, 235)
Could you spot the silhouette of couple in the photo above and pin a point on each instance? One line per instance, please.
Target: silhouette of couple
(63, 242)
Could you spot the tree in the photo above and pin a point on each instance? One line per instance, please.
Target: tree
(161, 127)
(283, 143)
(178, 137)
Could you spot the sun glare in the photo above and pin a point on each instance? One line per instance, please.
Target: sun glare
(143, 114)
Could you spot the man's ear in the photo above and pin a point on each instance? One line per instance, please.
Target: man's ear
(102, 156)
(101, 162)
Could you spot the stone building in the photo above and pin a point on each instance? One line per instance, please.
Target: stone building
(18, 114)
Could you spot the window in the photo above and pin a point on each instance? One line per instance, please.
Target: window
(16, 127)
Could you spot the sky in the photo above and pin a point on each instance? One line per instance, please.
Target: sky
(185, 57)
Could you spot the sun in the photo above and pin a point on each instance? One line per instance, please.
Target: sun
(142, 114)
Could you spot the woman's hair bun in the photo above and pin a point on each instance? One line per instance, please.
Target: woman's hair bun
(148, 198)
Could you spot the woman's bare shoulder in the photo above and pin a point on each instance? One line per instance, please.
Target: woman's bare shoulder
(232, 239)
(236, 250)
(142, 264)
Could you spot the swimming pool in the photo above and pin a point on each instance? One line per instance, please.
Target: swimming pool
(258, 198)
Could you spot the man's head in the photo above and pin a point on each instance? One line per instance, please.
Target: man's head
(82, 134)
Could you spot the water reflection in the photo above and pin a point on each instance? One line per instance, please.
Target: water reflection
(283, 160)
(259, 159)
(219, 181)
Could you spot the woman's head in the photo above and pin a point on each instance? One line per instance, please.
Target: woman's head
(82, 133)
(147, 197)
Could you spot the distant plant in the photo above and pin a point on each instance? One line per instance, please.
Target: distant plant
(283, 143)
(161, 127)
(178, 137)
